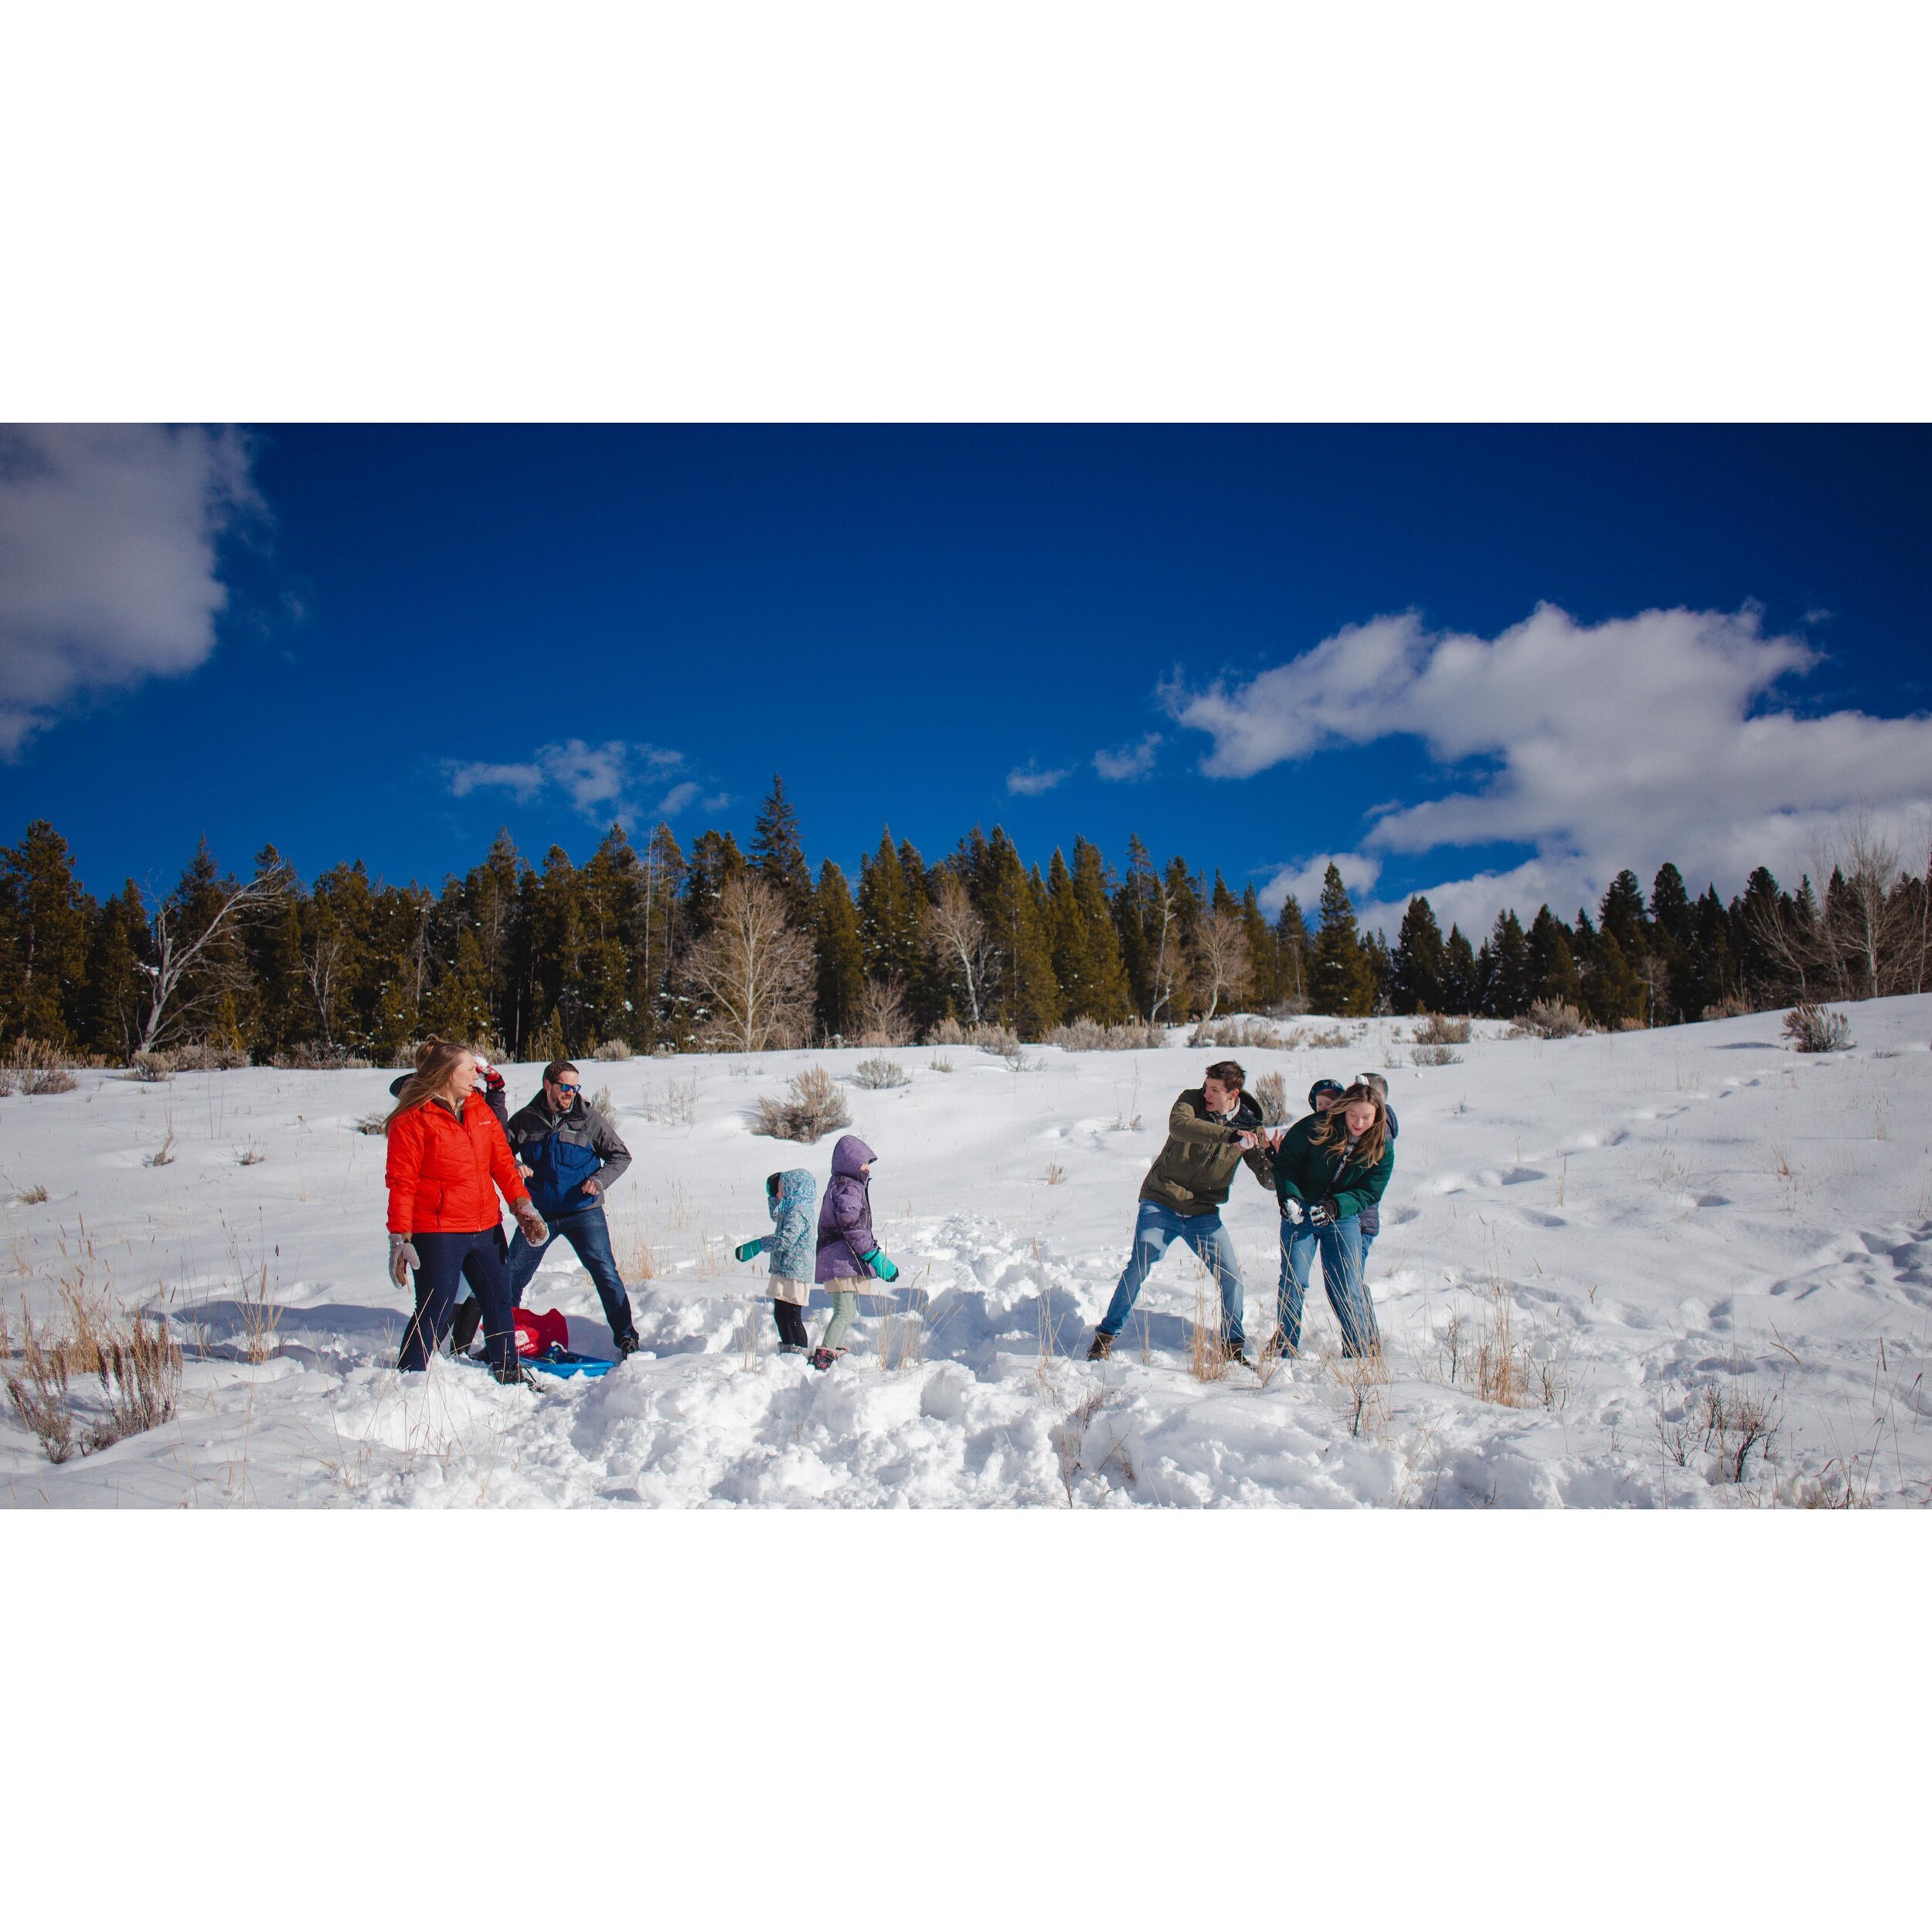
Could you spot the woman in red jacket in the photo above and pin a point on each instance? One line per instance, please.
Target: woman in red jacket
(447, 1162)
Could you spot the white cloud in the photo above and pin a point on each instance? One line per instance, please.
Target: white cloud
(108, 566)
(599, 781)
(1028, 781)
(1622, 744)
(1128, 761)
(1359, 872)
(526, 780)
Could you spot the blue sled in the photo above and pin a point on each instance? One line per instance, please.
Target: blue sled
(558, 1361)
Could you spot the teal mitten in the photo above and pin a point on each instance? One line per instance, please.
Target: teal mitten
(747, 1251)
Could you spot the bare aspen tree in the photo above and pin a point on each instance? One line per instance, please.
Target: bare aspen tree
(956, 934)
(1167, 954)
(177, 953)
(881, 1018)
(1863, 915)
(1221, 958)
(752, 972)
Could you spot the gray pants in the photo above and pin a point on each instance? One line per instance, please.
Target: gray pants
(844, 1305)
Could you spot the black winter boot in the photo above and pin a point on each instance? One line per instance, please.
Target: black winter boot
(469, 1318)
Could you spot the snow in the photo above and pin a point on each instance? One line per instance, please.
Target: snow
(1682, 1228)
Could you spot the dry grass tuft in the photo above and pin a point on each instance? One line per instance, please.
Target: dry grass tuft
(1435, 1030)
(813, 1105)
(878, 1073)
(1270, 1094)
(139, 1369)
(1090, 1036)
(1240, 1030)
(34, 1067)
(1813, 1028)
(1552, 1019)
(1435, 1056)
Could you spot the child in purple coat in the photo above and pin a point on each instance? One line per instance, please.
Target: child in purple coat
(849, 1251)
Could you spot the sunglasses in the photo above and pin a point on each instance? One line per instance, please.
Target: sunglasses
(566, 1086)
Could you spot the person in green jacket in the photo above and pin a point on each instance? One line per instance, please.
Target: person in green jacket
(1327, 1168)
(1211, 1130)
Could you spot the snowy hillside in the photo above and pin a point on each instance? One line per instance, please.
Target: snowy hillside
(1682, 1268)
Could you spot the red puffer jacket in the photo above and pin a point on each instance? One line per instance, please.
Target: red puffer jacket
(440, 1170)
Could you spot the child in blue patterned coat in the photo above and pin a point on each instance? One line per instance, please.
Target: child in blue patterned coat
(790, 1199)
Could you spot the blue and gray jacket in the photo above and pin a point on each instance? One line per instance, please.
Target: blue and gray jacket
(564, 1151)
(793, 1242)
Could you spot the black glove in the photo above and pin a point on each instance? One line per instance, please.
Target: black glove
(1325, 1213)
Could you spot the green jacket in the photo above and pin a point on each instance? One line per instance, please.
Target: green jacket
(1196, 1167)
(1306, 1173)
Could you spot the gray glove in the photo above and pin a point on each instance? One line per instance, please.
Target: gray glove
(401, 1258)
(1292, 1211)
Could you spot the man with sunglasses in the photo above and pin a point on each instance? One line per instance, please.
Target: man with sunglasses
(572, 1155)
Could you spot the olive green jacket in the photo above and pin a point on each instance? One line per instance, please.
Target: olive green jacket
(1196, 1167)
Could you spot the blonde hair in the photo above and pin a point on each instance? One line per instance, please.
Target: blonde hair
(1334, 1129)
(436, 1060)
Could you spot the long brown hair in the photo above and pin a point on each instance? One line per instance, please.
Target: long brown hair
(436, 1060)
(1334, 1129)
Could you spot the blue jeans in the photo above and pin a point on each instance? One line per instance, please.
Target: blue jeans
(1340, 1246)
(447, 1260)
(1154, 1228)
(588, 1232)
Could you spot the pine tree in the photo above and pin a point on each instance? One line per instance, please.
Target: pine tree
(1294, 950)
(1066, 938)
(273, 944)
(1553, 967)
(1614, 992)
(1506, 984)
(1416, 971)
(1014, 908)
(390, 983)
(457, 1006)
(115, 999)
(1135, 917)
(1706, 969)
(889, 921)
(654, 948)
(778, 857)
(1108, 998)
(838, 954)
(45, 923)
(1381, 963)
(1621, 914)
(716, 861)
(1339, 980)
(1461, 985)
(1670, 906)
(1263, 993)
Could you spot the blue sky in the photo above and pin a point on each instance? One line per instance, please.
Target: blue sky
(1260, 646)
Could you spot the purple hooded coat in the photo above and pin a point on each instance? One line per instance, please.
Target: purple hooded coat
(845, 1217)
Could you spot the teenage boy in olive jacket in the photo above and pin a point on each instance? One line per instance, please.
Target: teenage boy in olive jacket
(1212, 1130)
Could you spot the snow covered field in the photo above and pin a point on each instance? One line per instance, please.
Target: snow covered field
(1698, 1264)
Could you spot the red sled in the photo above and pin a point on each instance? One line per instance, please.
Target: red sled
(538, 1332)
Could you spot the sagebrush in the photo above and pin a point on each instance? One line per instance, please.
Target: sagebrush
(814, 1104)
